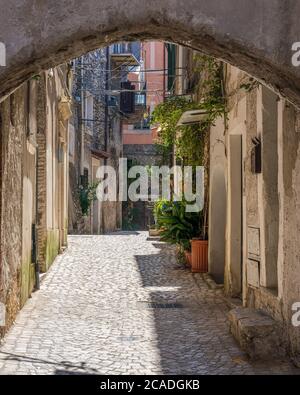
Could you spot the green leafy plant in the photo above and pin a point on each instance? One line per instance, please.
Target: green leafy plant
(189, 141)
(160, 208)
(177, 226)
(87, 195)
(167, 115)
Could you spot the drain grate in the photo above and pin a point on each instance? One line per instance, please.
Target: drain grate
(157, 305)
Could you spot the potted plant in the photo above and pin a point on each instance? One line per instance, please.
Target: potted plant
(177, 226)
(186, 245)
(199, 256)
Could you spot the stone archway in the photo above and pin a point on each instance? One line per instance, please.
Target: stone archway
(253, 35)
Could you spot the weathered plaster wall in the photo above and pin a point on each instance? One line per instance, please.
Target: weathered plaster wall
(235, 150)
(271, 199)
(268, 187)
(289, 198)
(262, 235)
(12, 134)
(41, 172)
(28, 218)
(23, 124)
(218, 200)
(279, 303)
(55, 166)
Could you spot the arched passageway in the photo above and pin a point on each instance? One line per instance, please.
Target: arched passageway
(255, 36)
(145, 316)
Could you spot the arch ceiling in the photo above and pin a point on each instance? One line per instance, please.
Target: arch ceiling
(256, 36)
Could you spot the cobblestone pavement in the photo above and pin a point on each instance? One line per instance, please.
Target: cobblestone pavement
(120, 304)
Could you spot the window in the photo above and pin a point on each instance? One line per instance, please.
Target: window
(140, 99)
(89, 107)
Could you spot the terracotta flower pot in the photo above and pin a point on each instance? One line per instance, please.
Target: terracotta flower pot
(199, 256)
(188, 258)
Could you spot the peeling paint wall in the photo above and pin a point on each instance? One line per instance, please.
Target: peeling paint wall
(25, 132)
(12, 113)
(52, 166)
(270, 201)
(289, 198)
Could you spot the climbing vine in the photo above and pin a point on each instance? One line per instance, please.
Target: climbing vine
(87, 195)
(189, 141)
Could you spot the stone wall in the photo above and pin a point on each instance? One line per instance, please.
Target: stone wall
(269, 243)
(41, 173)
(12, 132)
(142, 154)
(256, 36)
(26, 200)
(289, 198)
(96, 141)
(112, 211)
(139, 215)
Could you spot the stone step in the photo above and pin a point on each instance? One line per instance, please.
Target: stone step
(257, 333)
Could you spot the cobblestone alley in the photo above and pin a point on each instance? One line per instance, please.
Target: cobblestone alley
(121, 304)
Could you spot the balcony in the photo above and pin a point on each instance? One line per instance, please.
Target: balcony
(124, 59)
(133, 48)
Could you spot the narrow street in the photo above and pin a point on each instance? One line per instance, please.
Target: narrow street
(120, 304)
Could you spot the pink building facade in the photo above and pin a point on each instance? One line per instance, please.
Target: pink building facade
(149, 77)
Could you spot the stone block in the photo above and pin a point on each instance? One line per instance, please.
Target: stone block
(257, 333)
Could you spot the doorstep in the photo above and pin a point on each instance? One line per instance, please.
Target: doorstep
(258, 334)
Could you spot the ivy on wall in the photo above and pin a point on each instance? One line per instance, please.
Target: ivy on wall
(189, 141)
(87, 195)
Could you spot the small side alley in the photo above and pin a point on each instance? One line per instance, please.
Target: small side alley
(121, 304)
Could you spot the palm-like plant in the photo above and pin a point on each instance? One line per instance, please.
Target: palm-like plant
(177, 226)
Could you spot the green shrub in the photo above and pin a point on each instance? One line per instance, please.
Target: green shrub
(177, 226)
(86, 196)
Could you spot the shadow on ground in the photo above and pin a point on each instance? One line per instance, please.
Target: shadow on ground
(191, 321)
